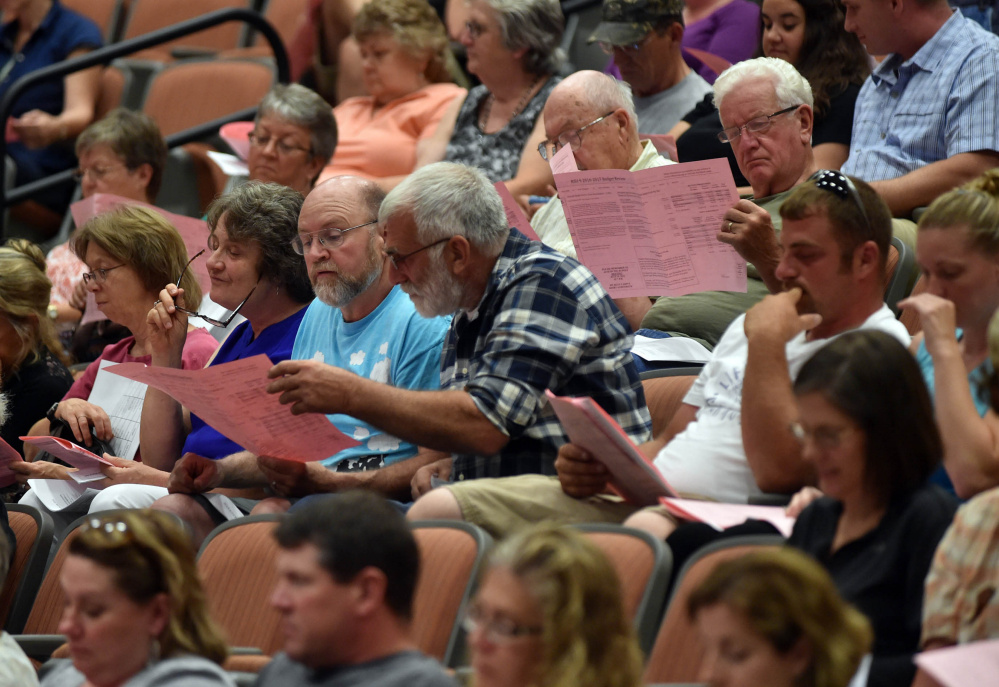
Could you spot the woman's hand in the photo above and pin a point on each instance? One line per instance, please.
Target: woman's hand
(802, 499)
(38, 129)
(938, 317)
(81, 415)
(131, 472)
(166, 326)
(41, 469)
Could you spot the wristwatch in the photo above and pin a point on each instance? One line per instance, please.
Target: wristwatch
(52, 411)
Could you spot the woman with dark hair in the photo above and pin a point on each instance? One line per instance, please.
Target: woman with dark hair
(866, 425)
(254, 269)
(135, 612)
(810, 35)
(774, 619)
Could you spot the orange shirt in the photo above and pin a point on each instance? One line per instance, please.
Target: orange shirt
(382, 143)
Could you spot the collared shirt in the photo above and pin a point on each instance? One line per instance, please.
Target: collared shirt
(544, 322)
(942, 101)
(549, 221)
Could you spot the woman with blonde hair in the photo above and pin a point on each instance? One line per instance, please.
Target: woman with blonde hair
(403, 52)
(775, 619)
(33, 373)
(957, 249)
(548, 613)
(135, 611)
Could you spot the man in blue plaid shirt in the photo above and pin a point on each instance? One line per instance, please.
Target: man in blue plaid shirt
(526, 319)
(925, 120)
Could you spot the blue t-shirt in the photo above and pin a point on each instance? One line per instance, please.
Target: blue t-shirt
(276, 343)
(976, 378)
(394, 345)
(61, 32)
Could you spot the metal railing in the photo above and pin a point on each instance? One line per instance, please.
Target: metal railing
(104, 56)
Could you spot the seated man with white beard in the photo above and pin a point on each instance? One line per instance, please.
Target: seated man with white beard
(359, 322)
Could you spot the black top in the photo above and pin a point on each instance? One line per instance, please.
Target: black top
(31, 391)
(700, 141)
(883, 572)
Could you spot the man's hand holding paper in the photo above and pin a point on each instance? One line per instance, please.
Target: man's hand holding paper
(310, 386)
(580, 474)
(750, 230)
(194, 474)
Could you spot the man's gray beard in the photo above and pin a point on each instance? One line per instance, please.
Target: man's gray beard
(345, 289)
(441, 295)
(3, 409)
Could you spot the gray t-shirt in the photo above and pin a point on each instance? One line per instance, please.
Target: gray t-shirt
(179, 671)
(404, 669)
(658, 113)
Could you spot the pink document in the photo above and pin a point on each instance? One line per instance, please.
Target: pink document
(654, 232)
(87, 463)
(233, 399)
(968, 665)
(633, 477)
(724, 515)
(563, 162)
(193, 231)
(7, 456)
(515, 216)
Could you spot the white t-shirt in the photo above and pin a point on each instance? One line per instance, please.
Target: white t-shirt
(707, 458)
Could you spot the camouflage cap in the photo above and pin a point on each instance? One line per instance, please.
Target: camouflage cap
(629, 21)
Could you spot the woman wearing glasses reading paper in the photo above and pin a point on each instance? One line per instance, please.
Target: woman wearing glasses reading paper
(135, 613)
(131, 252)
(256, 271)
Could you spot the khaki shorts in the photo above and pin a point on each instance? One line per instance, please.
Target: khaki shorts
(502, 506)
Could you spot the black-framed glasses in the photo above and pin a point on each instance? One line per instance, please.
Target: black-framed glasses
(211, 320)
(398, 260)
(331, 237)
(757, 125)
(573, 139)
(499, 629)
(261, 141)
(99, 275)
(474, 29)
(836, 182)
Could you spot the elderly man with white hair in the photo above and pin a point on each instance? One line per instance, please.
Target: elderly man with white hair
(766, 108)
(595, 115)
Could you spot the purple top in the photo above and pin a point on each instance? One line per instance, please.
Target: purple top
(731, 32)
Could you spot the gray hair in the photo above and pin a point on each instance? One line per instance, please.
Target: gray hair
(536, 25)
(268, 215)
(451, 199)
(133, 137)
(790, 86)
(303, 107)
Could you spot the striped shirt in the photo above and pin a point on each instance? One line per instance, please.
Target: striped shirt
(544, 322)
(942, 101)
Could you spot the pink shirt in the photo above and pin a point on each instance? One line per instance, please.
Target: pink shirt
(381, 142)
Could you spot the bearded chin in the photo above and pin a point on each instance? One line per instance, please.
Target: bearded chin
(3, 409)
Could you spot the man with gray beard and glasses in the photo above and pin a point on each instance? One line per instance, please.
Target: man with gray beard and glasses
(359, 322)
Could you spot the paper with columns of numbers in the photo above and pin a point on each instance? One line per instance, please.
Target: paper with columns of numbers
(233, 399)
(589, 426)
(122, 400)
(654, 232)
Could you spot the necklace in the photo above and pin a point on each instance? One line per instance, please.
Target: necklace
(488, 106)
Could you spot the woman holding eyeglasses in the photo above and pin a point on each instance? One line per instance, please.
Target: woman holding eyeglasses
(548, 613)
(255, 271)
(131, 252)
(135, 613)
(512, 47)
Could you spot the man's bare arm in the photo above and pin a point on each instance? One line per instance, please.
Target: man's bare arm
(921, 186)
